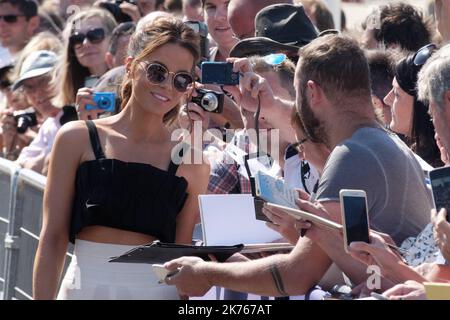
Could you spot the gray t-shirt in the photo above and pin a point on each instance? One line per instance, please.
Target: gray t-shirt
(378, 162)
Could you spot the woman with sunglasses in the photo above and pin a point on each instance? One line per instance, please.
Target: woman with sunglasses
(115, 183)
(86, 41)
(410, 116)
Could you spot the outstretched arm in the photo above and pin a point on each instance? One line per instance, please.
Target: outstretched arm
(279, 275)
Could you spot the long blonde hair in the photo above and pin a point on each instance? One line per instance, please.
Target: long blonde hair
(71, 73)
(152, 37)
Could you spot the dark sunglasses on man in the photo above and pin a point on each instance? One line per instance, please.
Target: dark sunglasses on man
(424, 53)
(158, 73)
(95, 35)
(11, 18)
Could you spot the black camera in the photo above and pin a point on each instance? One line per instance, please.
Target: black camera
(114, 8)
(202, 30)
(25, 119)
(220, 73)
(211, 101)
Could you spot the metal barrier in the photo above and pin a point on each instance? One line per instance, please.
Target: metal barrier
(8, 175)
(21, 192)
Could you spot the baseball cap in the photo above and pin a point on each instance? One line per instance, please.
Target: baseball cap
(36, 64)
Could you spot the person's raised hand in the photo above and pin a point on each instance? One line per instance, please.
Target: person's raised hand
(85, 97)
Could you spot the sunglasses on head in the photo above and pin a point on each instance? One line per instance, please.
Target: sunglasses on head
(424, 54)
(11, 18)
(95, 35)
(275, 59)
(157, 73)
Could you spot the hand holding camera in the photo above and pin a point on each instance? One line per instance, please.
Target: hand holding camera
(25, 119)
(86, 105)
(250, 88)
(8, 124)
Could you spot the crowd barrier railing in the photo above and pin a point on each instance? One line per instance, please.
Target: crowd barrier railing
(21, 198)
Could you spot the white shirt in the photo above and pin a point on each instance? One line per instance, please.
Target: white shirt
(5, 57)
(293, 174)
(43, 143)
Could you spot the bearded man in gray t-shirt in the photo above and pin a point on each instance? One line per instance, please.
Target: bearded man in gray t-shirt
(378, 162)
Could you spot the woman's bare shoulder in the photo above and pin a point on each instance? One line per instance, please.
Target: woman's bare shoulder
(72, 139)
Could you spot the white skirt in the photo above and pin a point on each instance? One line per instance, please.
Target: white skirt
(91, 277)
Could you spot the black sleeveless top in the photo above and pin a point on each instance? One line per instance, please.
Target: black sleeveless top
(130, 196)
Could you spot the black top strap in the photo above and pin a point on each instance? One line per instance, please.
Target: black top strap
(95, 141)
(173, 167)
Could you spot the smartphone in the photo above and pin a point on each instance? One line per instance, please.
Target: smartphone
(219, 73)
(440, 184)
(161, 272)
(355, 218)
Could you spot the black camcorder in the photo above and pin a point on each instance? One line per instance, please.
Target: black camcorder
(114, 8)
(25, 119)
(209, 100)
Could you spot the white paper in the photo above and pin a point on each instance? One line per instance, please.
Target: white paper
(230, 219)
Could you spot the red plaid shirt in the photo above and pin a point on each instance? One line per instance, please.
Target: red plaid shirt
(225, 177)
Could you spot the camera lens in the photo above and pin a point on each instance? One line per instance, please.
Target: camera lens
(23, 122)
(104, 103)
(210, 102)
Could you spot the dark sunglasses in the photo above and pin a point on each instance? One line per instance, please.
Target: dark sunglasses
(96, 35)
(158, 74)
(11, 18)
(424, 54)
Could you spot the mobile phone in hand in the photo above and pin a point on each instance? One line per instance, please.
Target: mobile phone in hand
(355, 217)
(440, 184)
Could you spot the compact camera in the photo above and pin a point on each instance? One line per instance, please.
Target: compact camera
(202, 30)
(25, 119)
(114, 8)
(220, 73)
(209, 100)
(105, 101)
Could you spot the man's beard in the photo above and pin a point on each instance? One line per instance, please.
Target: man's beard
(314, 128)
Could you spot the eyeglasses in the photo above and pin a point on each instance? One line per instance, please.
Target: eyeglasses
(157, 73)
(299, 145)
(424, 54)
(95, 35)
(11, 18)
